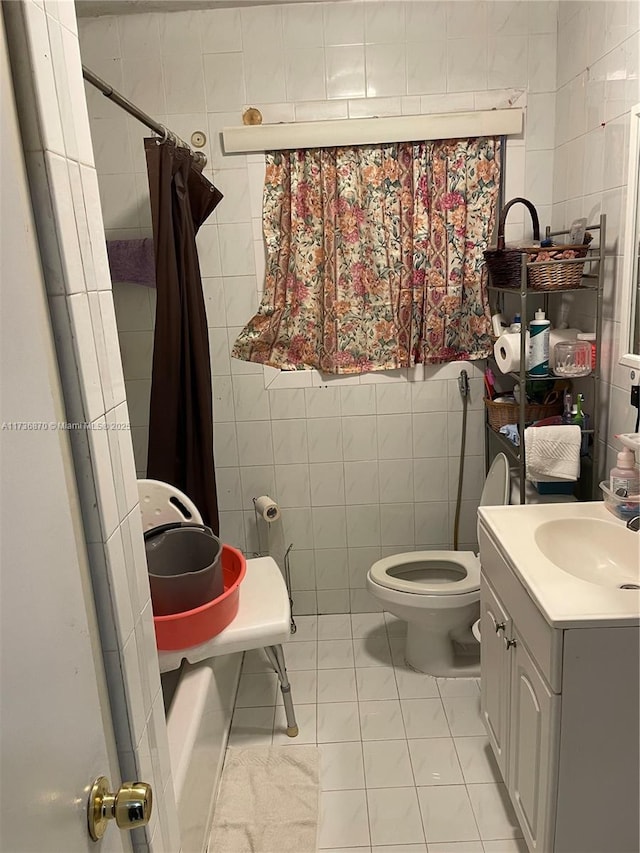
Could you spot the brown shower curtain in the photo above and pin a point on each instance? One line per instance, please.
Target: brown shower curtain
(180, 415)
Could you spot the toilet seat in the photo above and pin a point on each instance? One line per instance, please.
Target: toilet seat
(452, 572)
(442, 573)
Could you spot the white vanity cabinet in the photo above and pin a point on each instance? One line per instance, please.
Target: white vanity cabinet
(521, 715)
(561, 707)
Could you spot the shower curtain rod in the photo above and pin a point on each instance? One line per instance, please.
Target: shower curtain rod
(109, 92)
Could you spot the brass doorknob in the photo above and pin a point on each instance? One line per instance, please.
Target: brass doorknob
(130, 806)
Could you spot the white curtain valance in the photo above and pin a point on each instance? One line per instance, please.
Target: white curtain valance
(370, 131)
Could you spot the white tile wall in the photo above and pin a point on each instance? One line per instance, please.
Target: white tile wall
(597, 78)
(45, 54)
(371, 458)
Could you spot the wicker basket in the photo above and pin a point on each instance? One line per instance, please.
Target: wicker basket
(501, 414)
(505, 265)
(543, 275)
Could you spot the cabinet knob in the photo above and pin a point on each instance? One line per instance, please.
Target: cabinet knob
(510, 643)
(500, 626)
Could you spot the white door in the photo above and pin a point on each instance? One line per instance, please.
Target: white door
(55, 728)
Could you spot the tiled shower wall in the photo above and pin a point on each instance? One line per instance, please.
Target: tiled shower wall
(598, 83)
(365, 466)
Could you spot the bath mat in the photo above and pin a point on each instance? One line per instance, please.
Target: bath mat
(268, 801)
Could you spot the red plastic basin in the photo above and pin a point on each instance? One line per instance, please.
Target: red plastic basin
(181, 630)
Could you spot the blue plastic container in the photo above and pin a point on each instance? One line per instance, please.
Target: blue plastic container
(557, 487)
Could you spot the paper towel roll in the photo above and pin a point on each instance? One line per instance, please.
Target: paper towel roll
(507, 352)
(267, 508)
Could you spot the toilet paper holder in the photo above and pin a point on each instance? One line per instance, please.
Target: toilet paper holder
(266, 508)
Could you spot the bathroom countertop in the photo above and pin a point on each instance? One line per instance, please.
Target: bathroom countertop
(564, 600)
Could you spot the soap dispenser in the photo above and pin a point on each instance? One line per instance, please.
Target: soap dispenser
(624, 479)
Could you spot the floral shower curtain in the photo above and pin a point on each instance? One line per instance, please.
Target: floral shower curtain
(375, 256)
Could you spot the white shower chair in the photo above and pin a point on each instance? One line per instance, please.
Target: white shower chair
(264, 614)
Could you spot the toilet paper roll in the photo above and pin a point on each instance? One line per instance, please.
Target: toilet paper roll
(497, 324)
(506, 351)
(267, 508)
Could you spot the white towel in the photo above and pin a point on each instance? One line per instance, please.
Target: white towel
(268, 801)
(552, 453)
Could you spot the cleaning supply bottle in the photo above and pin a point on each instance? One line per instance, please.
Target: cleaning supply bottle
(516, 326)
(624, 479)
(576, 414)
(581, 419)
(539, 345)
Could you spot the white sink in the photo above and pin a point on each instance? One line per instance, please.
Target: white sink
(600, 552)
(571, 558)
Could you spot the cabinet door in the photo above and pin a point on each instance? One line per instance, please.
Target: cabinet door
(495, 662)
(532, 749)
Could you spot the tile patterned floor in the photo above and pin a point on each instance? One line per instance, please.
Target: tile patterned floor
(405, 763)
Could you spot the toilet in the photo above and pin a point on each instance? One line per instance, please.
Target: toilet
(438, 594)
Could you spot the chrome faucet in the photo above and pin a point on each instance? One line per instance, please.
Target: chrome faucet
(634, 523)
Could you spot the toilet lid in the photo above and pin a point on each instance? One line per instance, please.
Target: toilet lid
(497, 484)
(429, 572)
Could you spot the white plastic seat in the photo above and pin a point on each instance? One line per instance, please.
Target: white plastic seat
(429, 572)
(443, 572)
(264, 612)
(161, 503)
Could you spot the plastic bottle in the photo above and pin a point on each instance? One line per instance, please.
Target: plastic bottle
(516, 325)
(576, 416)
(625, 475)
(581, 419)
(539, 345)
